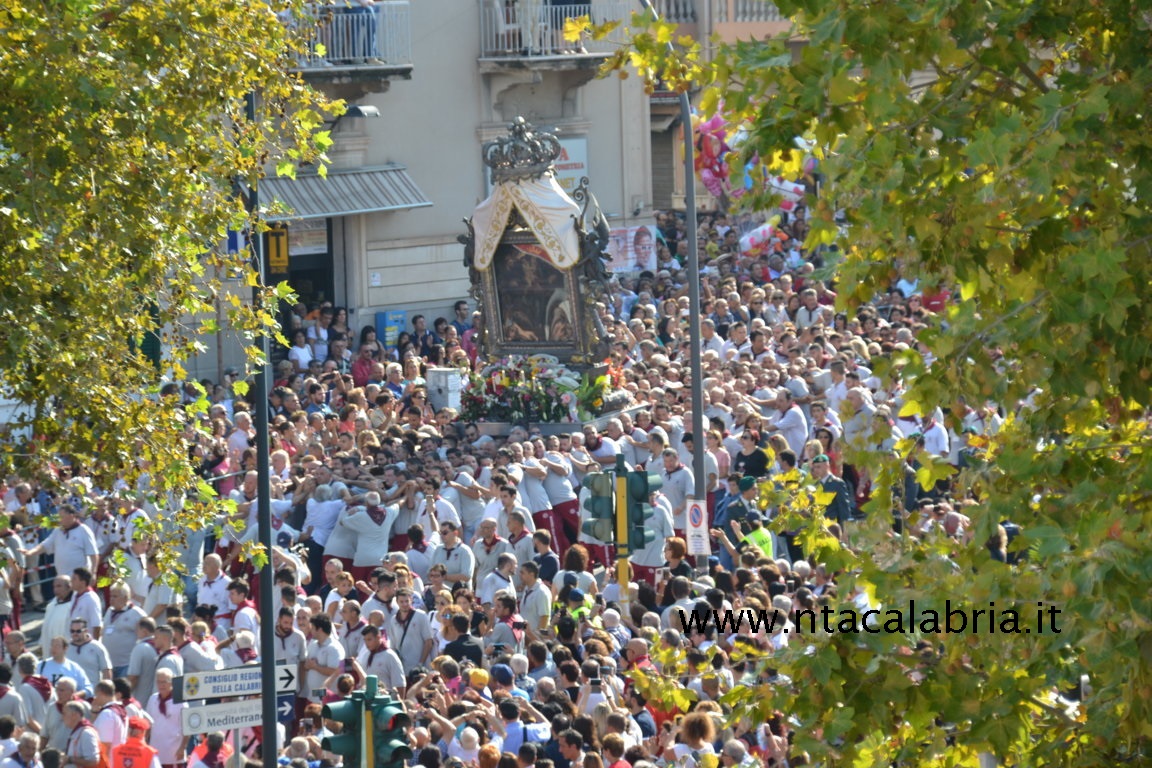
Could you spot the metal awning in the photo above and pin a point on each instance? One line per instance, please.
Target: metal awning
(661, 123)
(343, 193)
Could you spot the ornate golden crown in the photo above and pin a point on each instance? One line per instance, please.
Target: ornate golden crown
(523, 154)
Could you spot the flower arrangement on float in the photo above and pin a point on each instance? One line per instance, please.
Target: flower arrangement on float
(538, 388)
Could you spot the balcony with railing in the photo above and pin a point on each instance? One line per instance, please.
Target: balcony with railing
(352, 43)
(730, 19)
(533, 30)
(747, 11)
(676, 11)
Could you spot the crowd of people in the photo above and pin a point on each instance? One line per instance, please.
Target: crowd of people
(451, 563)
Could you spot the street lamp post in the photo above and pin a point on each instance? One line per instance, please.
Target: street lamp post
(268, 746)
(699, 477)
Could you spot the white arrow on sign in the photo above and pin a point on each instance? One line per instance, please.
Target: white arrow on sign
(237, 681)
(222, 717)
(285, 708)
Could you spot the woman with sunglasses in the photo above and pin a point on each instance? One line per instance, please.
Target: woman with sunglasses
(750, 459)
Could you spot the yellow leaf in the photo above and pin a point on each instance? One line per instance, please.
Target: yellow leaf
(574, 27)
(911, 408)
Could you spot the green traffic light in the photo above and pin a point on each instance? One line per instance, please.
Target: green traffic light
(350, 714)
(601, 506)
(641, 486)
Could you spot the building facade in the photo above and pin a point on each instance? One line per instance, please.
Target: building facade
(378, 236)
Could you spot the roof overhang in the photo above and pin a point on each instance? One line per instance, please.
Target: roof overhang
(344, 193)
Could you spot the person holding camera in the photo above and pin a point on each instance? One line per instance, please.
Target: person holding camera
(507, 633)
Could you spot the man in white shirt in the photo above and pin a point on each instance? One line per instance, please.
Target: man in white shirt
(89, 653)
(167, 737)
(376, 658)
(37, 692)
(106, 529)
(352, 624)
(603, 450)
(194, 657)
(790, 422)
(120, 623)
(535, 602)
(82, 749)
(159, 595)
(499, 580)
(520, 540)
(11, 702)
(470, 495)
(508, 499)
(108, 715)
(243, 612)
(709, 340)
(454, 554)
(410, 633)
(488, 549)
(212, 589)
(646, 561)
(679, 485)
(58, 611)
(532, 490)
(27, 753)
(86, 603)
(242, 436)
(72, 543)
(322, 660)
(153, 652)
(561, 495)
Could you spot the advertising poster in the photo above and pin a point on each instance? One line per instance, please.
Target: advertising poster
(389, 325)
(572, 164)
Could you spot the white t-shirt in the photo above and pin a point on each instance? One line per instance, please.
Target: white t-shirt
(72, 547)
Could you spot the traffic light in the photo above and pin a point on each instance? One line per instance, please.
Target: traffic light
(601, 506)
(390, 747)
(350, 714)
(641, 486)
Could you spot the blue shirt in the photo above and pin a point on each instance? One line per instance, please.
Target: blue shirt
(54, 670)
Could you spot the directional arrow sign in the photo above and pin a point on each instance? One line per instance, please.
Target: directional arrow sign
(237, 681)
(285, 708)
(222, 717)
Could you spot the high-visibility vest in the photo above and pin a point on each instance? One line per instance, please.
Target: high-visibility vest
(133, 753)
(761, 539)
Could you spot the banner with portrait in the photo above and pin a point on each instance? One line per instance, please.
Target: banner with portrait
(633, 249)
